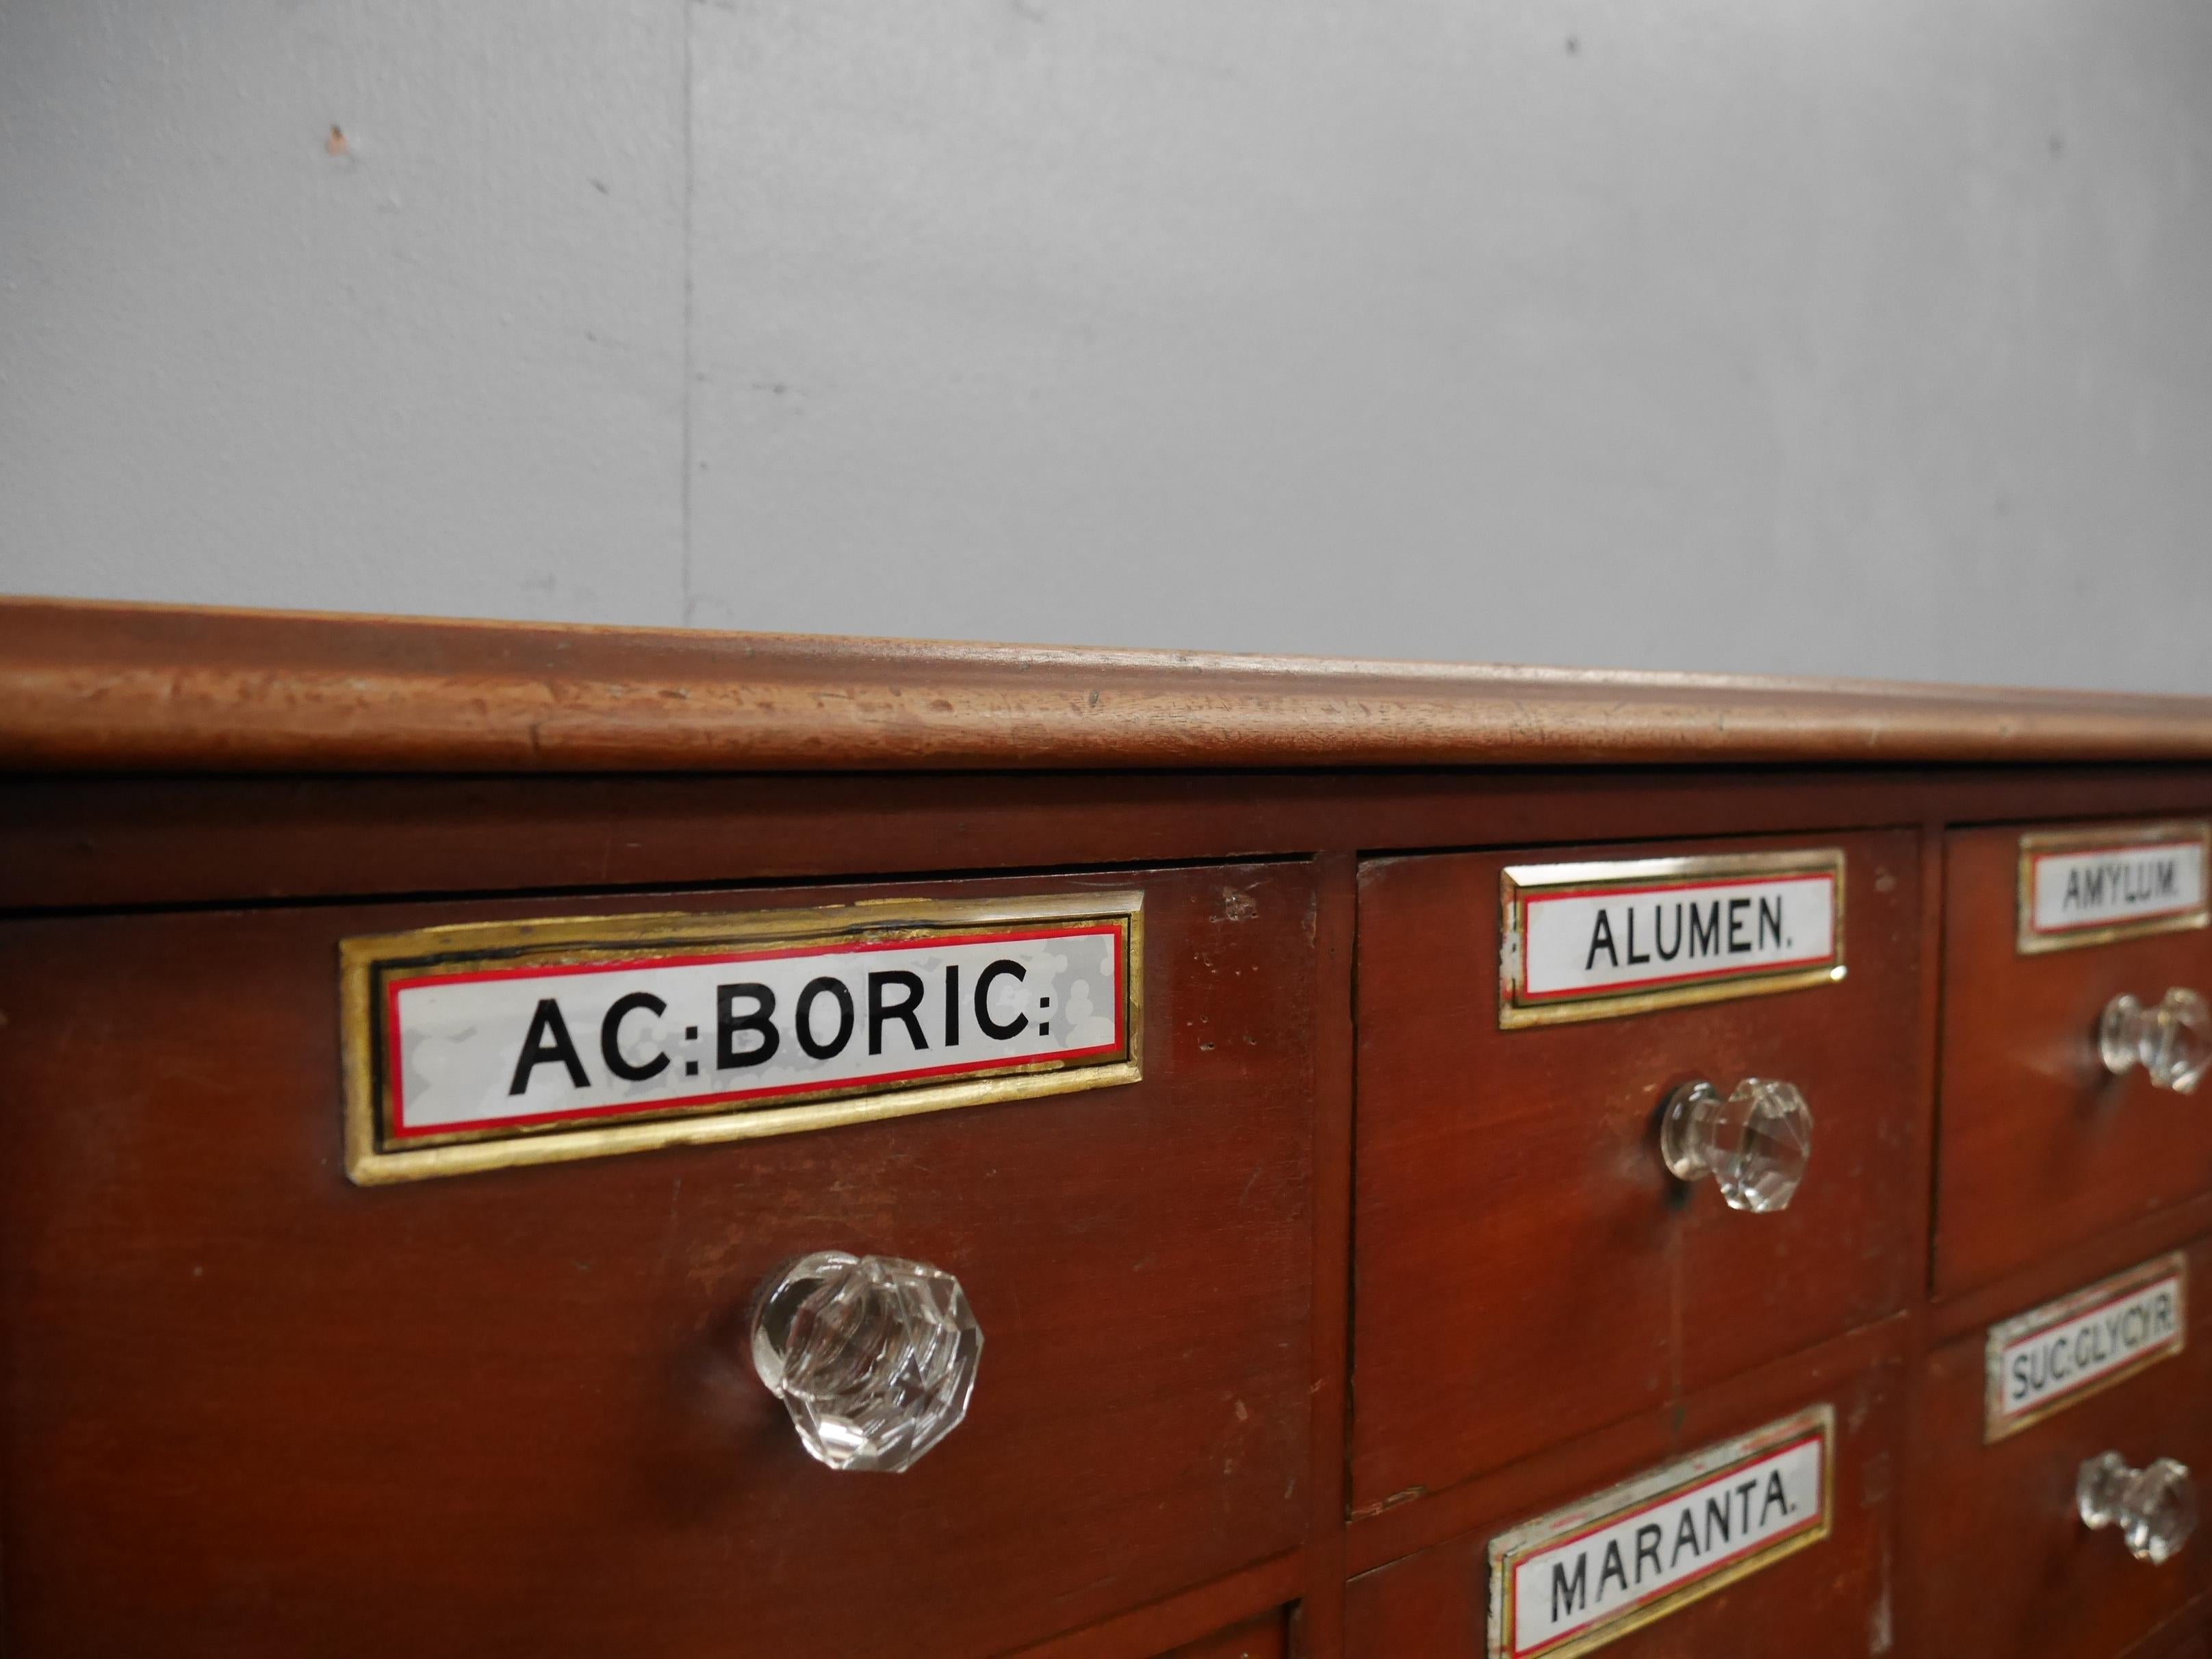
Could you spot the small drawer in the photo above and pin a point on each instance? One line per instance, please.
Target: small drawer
(2008, 1510)
(1527, 1267)
(2042, 1146)
(1828, 1595)
(1256, 1638)
(253, 1407)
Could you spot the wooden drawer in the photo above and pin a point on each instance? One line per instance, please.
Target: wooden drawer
(1257, 1638)
(2018, 1572)
(2041, 1146)
(1526, 1269)
(1830, 1597)
(252, 1408)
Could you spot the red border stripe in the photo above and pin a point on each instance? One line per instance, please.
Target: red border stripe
(395, 1076)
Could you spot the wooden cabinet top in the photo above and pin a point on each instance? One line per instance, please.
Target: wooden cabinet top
(120, 687)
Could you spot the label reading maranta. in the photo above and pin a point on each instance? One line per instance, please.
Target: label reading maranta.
(1596, 1570)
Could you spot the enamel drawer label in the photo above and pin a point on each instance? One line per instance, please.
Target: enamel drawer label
(2066, 1349)
(480, 1045)
(1586, 1574)
(2093, 886)
(1592, 941)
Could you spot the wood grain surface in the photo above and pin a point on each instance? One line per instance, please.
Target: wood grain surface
(2041, 1147)
(1527, 1269)
(250, 1408)
(2003, 1564)
(113, 686)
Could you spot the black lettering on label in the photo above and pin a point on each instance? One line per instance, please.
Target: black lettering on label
(1569, 1595)
(1667, 952)
(1716, 1519)
(1602, 939)
(1633, 957)
(610, 1037)
(803, 1017)
(1705, 930)
(728, 1023)
(1686, 1537)
(547, 1040)
(1004, 968)
(1770, 921)
(1773, 1498)
(1613, 1568)
(1744, 1489)
(881, 1011)
(1647, 1544)
(1739, 941)
(952, 1005)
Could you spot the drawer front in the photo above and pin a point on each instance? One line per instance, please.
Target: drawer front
(1829, 1597)
(2041, 1145)
(1526, 1269)
(2002, 1517)
(254, 1408)
(1257, 1638)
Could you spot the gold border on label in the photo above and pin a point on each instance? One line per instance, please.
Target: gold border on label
(1508, 1549)
(467, 947)
(2027, 942)
(2072, 1306)
(1518, 881)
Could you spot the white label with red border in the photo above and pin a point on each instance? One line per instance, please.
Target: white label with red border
(657, 1032)
(2111, 883)
(2055, 1354)
(1586, 1573)
(1666, 928)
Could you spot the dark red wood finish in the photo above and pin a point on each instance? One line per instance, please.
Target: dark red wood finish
(251, 1408)
(1832, 1598)
(2040, 1147)
(1526, 1269)
(2003, 1564)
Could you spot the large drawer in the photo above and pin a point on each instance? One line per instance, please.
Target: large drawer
(2009, 1567)
(1831, 1594)
(251, 1408)
(2041, 1145)
(1527, 1268)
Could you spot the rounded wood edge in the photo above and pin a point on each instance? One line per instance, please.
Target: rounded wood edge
(88, 686)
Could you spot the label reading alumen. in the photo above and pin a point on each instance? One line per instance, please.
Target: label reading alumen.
(2051, 1356)
(479, 1045)
(1593, 1570)
(1590, 940)
(2091, 886)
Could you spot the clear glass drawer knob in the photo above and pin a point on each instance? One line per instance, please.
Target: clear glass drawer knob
(2172, 1042)
(2154, 1507)
(874, 1357)
(1754, 1142)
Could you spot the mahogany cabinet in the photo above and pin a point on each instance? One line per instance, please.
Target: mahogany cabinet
(559, 1142)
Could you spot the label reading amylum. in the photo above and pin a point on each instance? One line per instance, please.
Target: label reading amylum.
(2066, 1350)
(1587, 940)
(1593, 1570)
(478, 1045)
(2091, 885)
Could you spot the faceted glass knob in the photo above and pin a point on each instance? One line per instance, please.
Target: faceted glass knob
(2154, 1508)
(874, 1357)
(2172, 1042)
(1754, 1143)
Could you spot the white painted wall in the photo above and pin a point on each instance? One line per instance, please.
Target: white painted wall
(1870, 338)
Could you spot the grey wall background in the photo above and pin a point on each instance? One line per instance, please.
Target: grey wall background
(1868, 338)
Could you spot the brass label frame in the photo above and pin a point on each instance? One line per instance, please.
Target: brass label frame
(1509, 1550)
(2029, 940)
(367, 965)
(1519, 884)
(2065, 1311)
